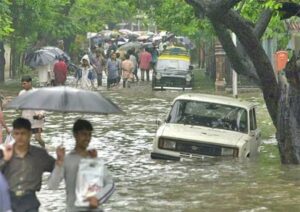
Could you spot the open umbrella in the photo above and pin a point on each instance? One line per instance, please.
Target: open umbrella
(57, 51)
(130, 45)
(65, 100)
(40, 58)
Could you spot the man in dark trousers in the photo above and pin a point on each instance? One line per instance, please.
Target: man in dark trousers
(23, 166)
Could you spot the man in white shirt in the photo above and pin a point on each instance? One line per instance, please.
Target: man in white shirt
(36, 117)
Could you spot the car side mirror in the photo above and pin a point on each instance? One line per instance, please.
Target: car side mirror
(252, 133)
(191, 67)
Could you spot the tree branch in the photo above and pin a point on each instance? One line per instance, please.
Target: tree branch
(260, 60)
(240, 64)
(262, 23)
(213, 7)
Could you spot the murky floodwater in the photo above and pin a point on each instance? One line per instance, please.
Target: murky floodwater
(125, 142)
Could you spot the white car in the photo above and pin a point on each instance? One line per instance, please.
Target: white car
(207, 125)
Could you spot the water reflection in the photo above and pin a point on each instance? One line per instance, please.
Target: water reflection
(125, 142)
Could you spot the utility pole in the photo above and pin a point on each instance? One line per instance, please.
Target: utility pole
(234, 74)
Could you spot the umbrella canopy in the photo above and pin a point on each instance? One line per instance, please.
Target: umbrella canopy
(57, 51)
(131, 45)
(54, 50)
(65, 100)
(40, 58)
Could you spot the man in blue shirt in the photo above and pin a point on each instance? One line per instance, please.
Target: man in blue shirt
(113, 69)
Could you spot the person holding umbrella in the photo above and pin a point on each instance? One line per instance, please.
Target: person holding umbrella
(36, 117)
(67, 169)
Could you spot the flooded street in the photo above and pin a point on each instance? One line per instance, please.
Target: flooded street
(143, 184)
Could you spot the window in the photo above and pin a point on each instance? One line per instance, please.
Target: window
(209, 115)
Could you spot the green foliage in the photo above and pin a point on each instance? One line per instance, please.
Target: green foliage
(5, 19)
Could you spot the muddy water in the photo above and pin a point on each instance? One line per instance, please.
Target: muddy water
(124, 142)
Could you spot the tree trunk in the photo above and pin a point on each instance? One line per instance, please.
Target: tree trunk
(15, 60)
(2, 61)
(282, 99)
(288, 127)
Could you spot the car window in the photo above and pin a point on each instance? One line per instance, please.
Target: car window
(172, 64)
(209, 115)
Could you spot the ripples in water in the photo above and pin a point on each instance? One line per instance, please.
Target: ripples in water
(125, 142)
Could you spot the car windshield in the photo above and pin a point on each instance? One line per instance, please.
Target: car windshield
(209, 115)
(172, 64)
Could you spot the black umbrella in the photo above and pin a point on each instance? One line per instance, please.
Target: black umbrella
(40, 58)
(130, 45)
(57, 51)
(65, 100)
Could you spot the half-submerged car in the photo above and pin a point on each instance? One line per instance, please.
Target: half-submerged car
(173, 70)
(201, 125)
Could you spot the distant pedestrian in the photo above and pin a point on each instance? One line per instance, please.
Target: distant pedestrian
(127, 71)
(87, 73)
(44, 74)
(113, 70)
(36, 117)
(134, 60)
(23, 165)
(145, 64)
(60, 72)
(2, 121)
(118, 58)
(98, 62)
(112, 47)
(155, 55)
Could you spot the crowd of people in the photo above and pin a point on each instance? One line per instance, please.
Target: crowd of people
(115, 66)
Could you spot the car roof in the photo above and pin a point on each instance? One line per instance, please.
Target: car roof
(216, 99)
(174, 57)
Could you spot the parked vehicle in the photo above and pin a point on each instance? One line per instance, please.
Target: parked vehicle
(206, 125)
(173, 70)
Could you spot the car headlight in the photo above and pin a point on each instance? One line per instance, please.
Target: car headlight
(158, 76)
(188, 77)
(167, 144)
(227, 152)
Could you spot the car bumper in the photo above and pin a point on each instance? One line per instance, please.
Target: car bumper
(171, 88)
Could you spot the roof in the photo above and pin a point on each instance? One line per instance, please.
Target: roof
(175, 50)
(216, 99)
(174, 57)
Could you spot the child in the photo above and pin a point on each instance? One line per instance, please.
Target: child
(2, 121)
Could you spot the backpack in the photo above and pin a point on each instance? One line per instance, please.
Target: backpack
(91, 75)
(78, 73)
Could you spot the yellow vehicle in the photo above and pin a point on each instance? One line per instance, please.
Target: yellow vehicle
(173, 70)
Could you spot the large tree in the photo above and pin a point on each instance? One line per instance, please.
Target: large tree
(282, 97)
